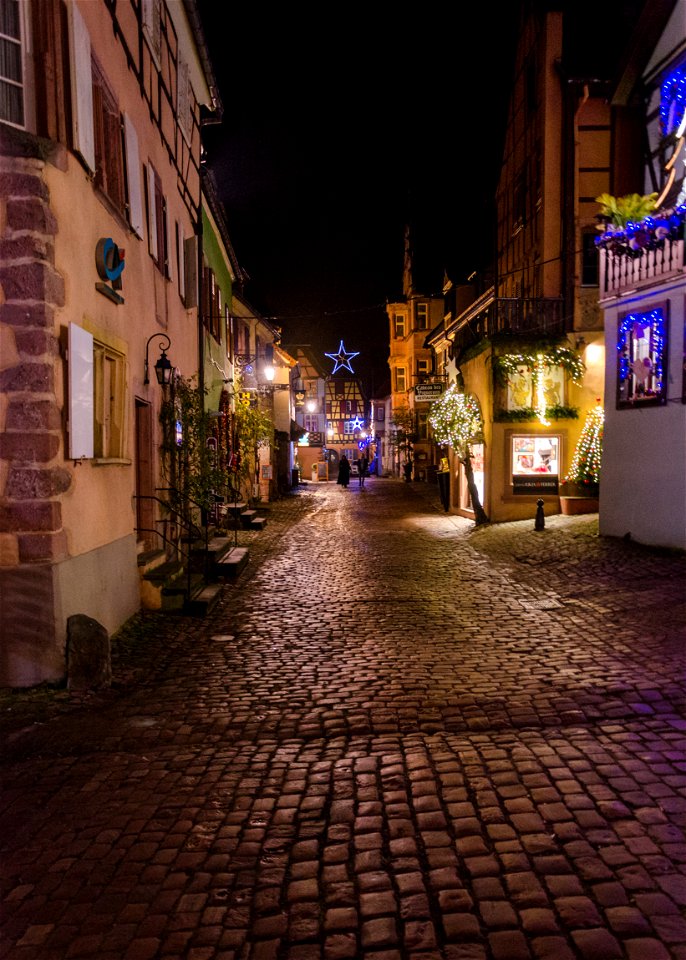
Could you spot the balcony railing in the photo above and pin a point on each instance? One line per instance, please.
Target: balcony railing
(518, 316)
(620, 272)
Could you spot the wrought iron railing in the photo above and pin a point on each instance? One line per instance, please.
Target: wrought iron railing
(518, 316)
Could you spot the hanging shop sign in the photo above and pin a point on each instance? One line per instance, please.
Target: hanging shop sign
(427, 392)
(110, 263)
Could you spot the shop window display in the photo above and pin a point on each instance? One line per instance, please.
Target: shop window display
(535, 464)
(642, 358)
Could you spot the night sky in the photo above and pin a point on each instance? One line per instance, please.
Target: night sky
(340, 130)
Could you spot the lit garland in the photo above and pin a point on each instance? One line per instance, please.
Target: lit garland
(648, 234)
(672, 101)
(456, 419)
(639, 322)
(537, 364)
(586, 462)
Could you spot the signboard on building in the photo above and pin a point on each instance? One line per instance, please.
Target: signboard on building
(535, 484)
(427, 392)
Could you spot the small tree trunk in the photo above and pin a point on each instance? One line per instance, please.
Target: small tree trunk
(480, 515)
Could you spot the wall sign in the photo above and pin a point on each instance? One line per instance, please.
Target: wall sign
(110, 263)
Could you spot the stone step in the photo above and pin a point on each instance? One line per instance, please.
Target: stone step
(203, 600)
(166, 572)
(235, 509)
(247, 517)
(150, 559)
(258, 523)
(232, 563)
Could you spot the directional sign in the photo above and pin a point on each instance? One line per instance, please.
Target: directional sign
(426, 392)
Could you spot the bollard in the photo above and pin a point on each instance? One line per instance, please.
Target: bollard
(540, 518)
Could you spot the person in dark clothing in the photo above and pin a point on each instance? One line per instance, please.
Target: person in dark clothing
(343, 471)
(407, 470)
(363, 469)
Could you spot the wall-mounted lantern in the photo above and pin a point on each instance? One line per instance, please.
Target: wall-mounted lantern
(163, 368)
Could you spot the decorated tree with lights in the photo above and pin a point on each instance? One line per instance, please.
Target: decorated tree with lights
(585, 467)
(457, 422)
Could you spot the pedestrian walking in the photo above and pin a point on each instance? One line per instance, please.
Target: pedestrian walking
(343, 471)
(363, 469)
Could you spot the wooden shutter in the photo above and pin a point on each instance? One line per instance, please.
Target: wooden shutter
(81, 87)
(133, 176)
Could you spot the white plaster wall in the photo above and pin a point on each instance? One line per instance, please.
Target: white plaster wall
(101, 584)
(643, 479)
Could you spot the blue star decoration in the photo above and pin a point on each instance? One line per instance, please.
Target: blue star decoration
(357, 424)
(342, 358)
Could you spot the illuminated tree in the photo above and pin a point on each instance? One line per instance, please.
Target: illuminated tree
(456, 421)
(585, 466)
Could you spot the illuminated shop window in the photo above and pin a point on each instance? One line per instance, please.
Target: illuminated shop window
(523, 388)
(642, 358)
(535, 463)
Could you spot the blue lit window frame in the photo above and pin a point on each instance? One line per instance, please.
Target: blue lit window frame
(632, 391)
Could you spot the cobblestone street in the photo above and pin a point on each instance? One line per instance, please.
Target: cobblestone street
(398, 736)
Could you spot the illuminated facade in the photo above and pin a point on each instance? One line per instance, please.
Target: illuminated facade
(101, 171)
(529, 347)
(410, 363)
(643, 296)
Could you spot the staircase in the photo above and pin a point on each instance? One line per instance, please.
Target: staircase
(202, 559)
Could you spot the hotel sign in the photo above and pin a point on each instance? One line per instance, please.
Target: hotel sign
(427, 392)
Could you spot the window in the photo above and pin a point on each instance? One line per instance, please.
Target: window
(525, 394)
(400, 383)
(109, 388)
(642, 358)
(380, 413)
(589, 260)
(311, 422)
(535, 463)
(398, 326)
(422, 369)
(422, 316)
(12, 63)
(422, 426)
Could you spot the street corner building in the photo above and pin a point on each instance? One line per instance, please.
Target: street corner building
(100, 119)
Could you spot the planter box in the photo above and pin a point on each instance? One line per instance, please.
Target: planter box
(570, 506)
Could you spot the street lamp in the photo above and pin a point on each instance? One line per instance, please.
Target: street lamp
(163, 368)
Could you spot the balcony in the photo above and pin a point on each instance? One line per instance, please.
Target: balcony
(621, 272)
(517, 316)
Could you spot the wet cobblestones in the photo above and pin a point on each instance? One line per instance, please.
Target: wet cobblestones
(397, 737)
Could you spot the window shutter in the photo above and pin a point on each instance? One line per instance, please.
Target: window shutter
(152, 213)
(133, 176)
(181, 260)
(81, 87)
(81, 415)
(191, 262)
(152, 26)
(169, 264)
(183, 100)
